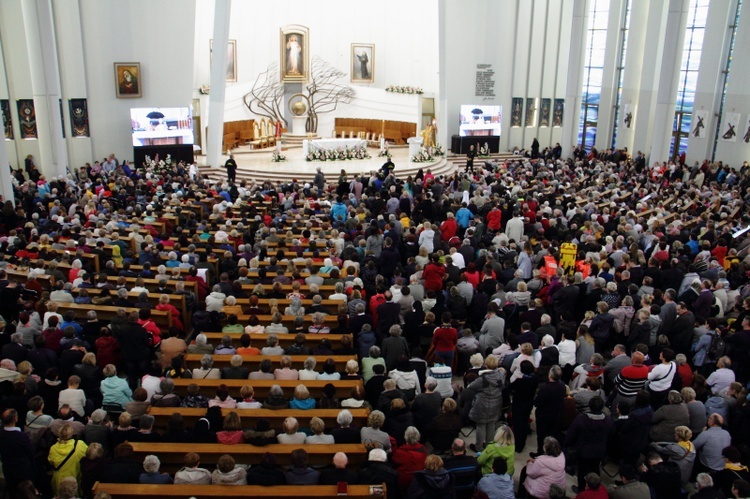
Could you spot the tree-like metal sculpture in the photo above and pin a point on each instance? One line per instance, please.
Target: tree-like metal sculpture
(324, 92)
(267, 95)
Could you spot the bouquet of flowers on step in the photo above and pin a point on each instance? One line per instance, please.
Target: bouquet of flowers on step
(484, 150)
(438, 150)
(157, 166)
(384, 153)
(340, 154)
(423, 156)
(403, 90)
(277, 157)
(204, 89)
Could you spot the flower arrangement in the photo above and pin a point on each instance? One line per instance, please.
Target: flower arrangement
(438, 150)
(403, 90)
(204, 90)
(156, 165)
(277, 157)
(384, 153)
(340, 154)
(423, 156)
(484, 150)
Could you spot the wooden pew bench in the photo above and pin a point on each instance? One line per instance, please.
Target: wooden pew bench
(143, 491)
(172, 455)
(258, 340)
(288, 320)
(252, 362)
(262, 387)
(162, 318)
(276, 418)
(153, 298)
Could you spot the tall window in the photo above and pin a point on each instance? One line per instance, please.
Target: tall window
(691, 59)
(593, 68)
(621, 69)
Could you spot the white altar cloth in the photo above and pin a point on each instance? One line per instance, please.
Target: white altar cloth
(318, 144)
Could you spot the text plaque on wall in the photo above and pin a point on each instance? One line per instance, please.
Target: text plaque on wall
(485, 82)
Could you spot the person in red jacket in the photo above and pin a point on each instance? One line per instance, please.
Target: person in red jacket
(444, 339)
(494, 219)
(594, 488)
(409, 458)
(433, 274)
(449, 228)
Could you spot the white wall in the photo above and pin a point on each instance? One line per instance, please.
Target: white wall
(527, 44)
(405, 36)
(160, 36)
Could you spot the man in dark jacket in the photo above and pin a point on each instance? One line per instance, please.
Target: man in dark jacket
(681, 335)
(389, 314)
(427, 405)
(134, 349)
(122, 469)
(339, 473)
(377, 471)
(549, 402)
(588, 436)
(464, 468)
(16, 452)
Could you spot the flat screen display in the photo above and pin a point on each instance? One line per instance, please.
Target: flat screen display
(478, 120)
(157, 126)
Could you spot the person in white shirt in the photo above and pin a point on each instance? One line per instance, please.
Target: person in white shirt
(567, 349)
(73, 396)
(722, 377)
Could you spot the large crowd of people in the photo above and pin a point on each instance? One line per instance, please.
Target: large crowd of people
(594, 311)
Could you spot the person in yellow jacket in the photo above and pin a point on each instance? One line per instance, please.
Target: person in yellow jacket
(65, 456)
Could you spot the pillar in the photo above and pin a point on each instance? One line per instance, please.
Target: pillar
(215, 134)
(574, 79)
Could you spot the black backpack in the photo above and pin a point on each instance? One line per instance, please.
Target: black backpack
(717, 348)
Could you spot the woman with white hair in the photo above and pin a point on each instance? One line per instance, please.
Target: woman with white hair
(427, 237)
(151, 466)
(291, 434)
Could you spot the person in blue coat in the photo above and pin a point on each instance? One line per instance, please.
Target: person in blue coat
(498, 484)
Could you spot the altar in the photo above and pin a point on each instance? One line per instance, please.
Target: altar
(328, 144)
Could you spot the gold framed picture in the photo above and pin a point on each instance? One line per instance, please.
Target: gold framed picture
(363, 63)
(231, 59)
(128, 80)
(295, 53)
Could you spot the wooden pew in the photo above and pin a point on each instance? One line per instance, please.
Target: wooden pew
(276, 418)
(332, 306)
(143, 491)
(153, 298)
(288, 320)
(285, 340)
(171, 455)
(162, 318)
(262, 387)
(252, 362)
(152, 284)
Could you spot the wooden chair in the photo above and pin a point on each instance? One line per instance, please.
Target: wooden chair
(257, 140)
(271, 133)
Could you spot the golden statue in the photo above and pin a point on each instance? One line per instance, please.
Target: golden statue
(428, 136)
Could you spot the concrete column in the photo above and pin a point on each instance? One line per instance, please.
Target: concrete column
(666, 96)
(47, 90)
(214, 136)
(572, 111)
(608, 99)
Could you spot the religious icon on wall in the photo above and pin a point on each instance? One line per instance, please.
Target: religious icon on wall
(746, 137)
(128, 79)
(628, 113)
(544, 116)
(363, 63)
(295, 52)
(79, 117)
(7, 119)
(516, 110)
(729, 127)
(231, 59)
(698, 126)
(531, 110)
(27, 118)
(557, 112)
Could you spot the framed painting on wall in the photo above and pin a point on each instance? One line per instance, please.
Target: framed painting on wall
(699, 124)
(363, 63)
(516, 110)
(729, 127)
(79, 118)
(27, 117)
(544, 116)
(531, 109)
(7, 118)
(231, 59)
(128, 80)
(557, 112)
(295, 53)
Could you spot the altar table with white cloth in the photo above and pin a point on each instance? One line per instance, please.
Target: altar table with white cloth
(328, 144)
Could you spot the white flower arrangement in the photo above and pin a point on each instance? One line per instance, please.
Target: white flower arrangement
(484, 150)
(423, 156)
(404, 90)
(384, 153)
(277, 157)
(340, 154)
(204, 89)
